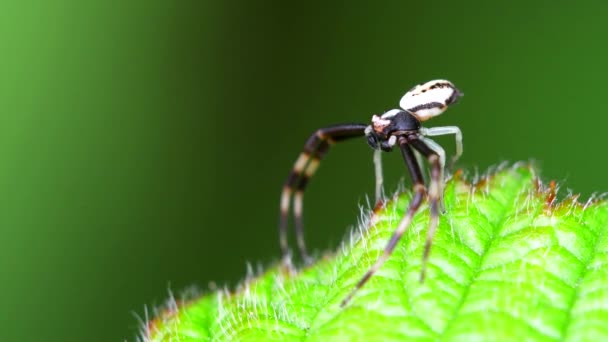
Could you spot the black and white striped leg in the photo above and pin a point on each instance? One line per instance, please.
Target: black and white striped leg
(304, 168)
(435, 188)
(419, 192)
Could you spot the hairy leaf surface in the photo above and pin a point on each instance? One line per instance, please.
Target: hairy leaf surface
(507, 263)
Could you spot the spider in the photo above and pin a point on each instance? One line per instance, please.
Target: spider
(399, 128)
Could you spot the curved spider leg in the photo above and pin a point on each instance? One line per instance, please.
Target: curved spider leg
(305, 166)
(434, 194)
(435, 131)
(441, 152)
(419, 192)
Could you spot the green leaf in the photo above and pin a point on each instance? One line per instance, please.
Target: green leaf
(507, 263)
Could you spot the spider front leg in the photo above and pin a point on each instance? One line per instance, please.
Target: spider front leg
(435, 194)
(304, 168)
(404, 224)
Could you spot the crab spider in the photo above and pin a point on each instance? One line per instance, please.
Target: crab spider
(396, 128)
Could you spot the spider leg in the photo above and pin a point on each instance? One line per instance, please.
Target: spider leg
(304, 168)
(441, 152)
(420, 160)
(419, 192)
(435, 131)
(435, 189)
(379, 174)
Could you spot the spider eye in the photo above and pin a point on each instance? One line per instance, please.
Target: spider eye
(372, 141)
(430, 99)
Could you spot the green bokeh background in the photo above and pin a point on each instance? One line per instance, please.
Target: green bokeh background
(143, 145)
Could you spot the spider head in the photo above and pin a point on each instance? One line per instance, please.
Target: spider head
(430, 99)
(376, 137)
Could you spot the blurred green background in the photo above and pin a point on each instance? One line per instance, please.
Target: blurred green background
(143, 144)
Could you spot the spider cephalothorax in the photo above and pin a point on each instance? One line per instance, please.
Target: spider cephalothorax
(382, 133)
(396, 127)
